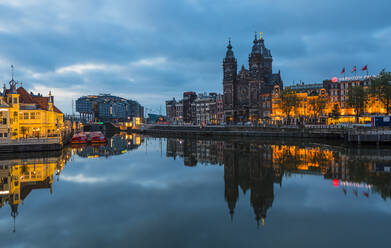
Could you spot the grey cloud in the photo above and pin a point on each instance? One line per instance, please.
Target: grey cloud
(310, 41)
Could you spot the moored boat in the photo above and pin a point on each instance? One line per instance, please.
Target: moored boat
(79, 138)
(97, 137)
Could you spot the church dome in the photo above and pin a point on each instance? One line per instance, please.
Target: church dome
(259, 48)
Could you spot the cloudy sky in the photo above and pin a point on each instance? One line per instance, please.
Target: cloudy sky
(152, 50)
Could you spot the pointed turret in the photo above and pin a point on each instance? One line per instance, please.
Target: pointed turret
(229, 64)
(229, 54)
(50, 101)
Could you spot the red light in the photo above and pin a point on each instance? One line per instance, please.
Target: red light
(336, 183)
(334, 79)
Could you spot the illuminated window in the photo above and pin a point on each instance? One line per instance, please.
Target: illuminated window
(32, 116)
(26, 116)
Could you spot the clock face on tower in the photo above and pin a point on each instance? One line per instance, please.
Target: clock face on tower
(243, 92)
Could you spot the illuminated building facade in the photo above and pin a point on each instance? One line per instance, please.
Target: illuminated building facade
(26, 115)
(304, 111)
(335, 92)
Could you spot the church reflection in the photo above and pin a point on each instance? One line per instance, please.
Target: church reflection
(257, 167)
(21, 175)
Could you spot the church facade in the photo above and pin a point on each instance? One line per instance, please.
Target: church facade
(247, 93)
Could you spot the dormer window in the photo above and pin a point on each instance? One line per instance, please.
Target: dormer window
(15, 100)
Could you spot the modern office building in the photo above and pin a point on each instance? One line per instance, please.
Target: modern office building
(105, 107)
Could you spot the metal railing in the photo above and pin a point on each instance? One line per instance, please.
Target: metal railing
(30, 141)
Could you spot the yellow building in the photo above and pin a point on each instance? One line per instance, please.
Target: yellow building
(336, 94)
(304, 110)
(25, 115)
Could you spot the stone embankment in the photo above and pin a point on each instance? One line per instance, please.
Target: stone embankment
(354, 135)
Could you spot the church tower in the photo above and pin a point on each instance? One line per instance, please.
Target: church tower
(230, 70)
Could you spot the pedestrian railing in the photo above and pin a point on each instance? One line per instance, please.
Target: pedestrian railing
(30, 141)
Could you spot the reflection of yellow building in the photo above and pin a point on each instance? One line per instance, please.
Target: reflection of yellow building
(19, 176)
(302, 159)
(25, 115)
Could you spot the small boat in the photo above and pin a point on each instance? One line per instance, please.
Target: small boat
(79, 138)
(96, 137)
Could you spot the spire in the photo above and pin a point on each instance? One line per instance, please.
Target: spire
(50, 97)
(14, 213)
(12, 83)
(231, 213)
(230, 53)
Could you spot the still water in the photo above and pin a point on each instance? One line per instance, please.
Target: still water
(174, 192)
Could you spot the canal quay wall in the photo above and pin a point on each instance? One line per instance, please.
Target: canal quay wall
(352, 135)
(30, 145)
(35, 144)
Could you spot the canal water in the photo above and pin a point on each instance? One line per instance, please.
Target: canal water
(187, 192)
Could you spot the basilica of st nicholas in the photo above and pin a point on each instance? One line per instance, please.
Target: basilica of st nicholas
(247, 94)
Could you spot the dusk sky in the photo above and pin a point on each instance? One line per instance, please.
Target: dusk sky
(153, 50)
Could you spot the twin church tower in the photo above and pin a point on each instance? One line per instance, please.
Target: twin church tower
(247, 94)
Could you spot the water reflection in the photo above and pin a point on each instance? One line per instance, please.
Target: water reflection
(134, 183)
(257, 167)
(19, 176)
(117, 144)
